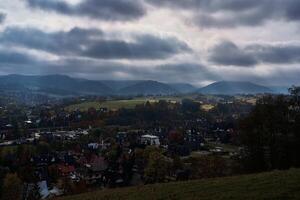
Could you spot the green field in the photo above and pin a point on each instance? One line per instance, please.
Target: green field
(117, 104)
(112, 105)
(273, 185)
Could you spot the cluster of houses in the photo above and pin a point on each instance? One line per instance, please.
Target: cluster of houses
(104, 162)
(90, 164)
(48, 135)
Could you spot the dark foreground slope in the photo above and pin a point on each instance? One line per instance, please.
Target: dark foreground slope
(274, 185)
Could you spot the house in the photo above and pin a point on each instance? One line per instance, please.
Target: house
(93, 146)
(93, 171)
(150, 140)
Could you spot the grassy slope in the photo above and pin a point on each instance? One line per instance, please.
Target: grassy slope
(274, 185)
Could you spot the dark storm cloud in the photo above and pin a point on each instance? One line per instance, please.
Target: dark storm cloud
(231, 13)
(56, 42)
(2, 17)
(114, 10)
(228, 53)
(11, 57)
(145, 47)
(90, 43)
(276, 54)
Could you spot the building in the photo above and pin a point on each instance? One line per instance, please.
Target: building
(150, 140)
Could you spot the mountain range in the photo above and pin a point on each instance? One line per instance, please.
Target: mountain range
(61, 85)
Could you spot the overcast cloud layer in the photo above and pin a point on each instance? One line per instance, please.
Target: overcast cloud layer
(193, 41)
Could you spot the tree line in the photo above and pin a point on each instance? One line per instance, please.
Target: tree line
(270, 134)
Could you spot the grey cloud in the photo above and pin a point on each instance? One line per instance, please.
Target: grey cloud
(228, 53)
(90, 43)
(18, 62)
(252, 17)
(2, 17)
(11, 57)
(233, 13)
(113, 10)
(145, 47)
(57, 42)
(292, 10)
(209, 5)
(275, 54)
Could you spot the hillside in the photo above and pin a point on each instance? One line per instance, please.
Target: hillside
(148, 88)
(231, 88)
(272, 185)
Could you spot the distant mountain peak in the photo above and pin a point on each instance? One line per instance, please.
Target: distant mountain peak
(234, 87)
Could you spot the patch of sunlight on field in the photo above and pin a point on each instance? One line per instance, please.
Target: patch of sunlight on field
(207, 107)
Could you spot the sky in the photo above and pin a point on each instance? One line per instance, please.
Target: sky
(191, 41)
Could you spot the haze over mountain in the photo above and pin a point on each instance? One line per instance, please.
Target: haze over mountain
(234, 87)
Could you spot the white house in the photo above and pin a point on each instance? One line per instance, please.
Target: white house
(150, 140)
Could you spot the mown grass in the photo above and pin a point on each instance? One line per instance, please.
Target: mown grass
(278, 185)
